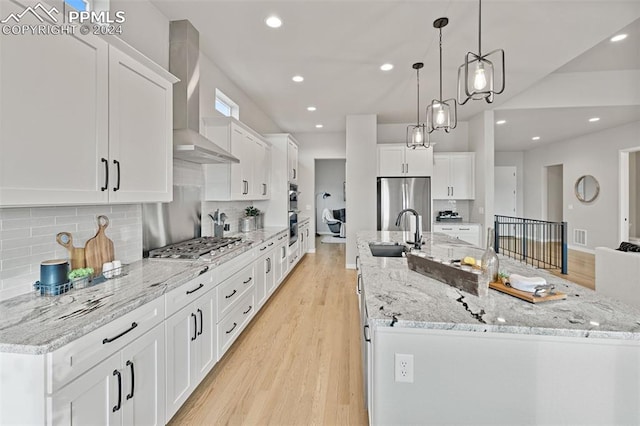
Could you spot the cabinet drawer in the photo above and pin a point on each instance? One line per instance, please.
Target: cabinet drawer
(231, 267)
(231, 326)
(179, 297)
(231, 290)
(71, 360)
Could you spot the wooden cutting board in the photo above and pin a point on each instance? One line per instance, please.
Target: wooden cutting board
(99, 249)
(525, 295)
(76, 254)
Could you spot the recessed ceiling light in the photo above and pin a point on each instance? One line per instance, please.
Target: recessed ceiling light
(618, 37)
(386, 67)
(535, 138)
(297, 78)
(311, 108)
(273, 21)
(594, 119)
(501, 121)
(319, 126)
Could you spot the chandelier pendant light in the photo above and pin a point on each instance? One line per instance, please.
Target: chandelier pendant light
(417, 135)
(477, 77)
(442, 114)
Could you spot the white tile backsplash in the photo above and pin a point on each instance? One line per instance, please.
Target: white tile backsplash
(233, 209)
(28, 236)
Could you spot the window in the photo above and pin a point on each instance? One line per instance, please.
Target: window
(225, 106)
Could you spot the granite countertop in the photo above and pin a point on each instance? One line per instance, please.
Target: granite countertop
(303, 219)
(34, 324)
(398, 297)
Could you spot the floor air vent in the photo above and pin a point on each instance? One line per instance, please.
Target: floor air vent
(580, 237)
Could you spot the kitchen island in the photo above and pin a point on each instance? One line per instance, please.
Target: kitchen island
(494, 359)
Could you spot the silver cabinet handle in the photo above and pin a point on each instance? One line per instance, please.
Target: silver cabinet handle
(407, 167)
(452, 191)
(358, 290)
(264, 189)
(367, 338)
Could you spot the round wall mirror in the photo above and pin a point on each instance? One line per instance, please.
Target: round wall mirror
(587, 188)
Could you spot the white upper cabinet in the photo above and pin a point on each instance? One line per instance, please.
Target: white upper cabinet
(292, 158)
(140, 132)
(247, 180)
(398, 160)
(454, 176)
(53, 119)
(77, 117)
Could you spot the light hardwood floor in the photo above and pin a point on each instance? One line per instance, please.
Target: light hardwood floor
(581, 269)
(298, 362)
(581, 266)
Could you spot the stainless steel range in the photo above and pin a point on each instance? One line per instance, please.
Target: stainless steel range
(205, 248)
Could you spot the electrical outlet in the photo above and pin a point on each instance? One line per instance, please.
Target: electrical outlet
(404, 368)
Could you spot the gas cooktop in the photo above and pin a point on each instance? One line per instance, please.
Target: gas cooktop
(210, 247)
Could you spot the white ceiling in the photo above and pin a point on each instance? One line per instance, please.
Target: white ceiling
(338, 46)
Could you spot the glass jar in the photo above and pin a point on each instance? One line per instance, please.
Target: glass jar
(490, 262)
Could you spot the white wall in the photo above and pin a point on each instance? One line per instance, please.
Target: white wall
(555, 190)
(514, 159)
(481, 141)
(314, 146)
(330, 175)
(595, 154)
(145, 28)
(634, 198)
(211, 77)
(361, 179)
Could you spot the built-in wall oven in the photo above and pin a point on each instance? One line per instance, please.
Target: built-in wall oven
(293, 197)
(293, 227)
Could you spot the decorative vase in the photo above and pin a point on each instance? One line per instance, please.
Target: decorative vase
(490, 262)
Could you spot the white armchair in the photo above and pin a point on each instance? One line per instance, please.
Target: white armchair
(618, 275)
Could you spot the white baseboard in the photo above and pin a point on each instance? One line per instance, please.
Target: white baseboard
(350, 266)
(582, 249)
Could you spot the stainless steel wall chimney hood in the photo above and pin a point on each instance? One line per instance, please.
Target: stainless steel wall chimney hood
(188, 143)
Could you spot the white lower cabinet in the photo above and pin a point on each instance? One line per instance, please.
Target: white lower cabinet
(140, 368)
(126, 388)
(235, 321)
(191, 349)
(303, 239)
(280, 261)
(91, 398)
(265, 275)
(236, 306)
(467, 232)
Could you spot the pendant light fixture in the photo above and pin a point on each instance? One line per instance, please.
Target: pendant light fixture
(442, 114)
(477, 76)
(417, 134)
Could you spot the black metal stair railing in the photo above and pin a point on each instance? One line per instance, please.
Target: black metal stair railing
(536, 242)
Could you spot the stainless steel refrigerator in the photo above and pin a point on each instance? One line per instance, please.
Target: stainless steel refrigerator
(397, 193)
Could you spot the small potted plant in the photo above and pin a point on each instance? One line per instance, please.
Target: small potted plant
(80, 277)
(250, 221)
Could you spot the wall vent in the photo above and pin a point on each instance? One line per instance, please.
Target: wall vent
(580, 237)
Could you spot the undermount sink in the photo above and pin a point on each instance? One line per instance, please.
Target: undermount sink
(387, 249)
